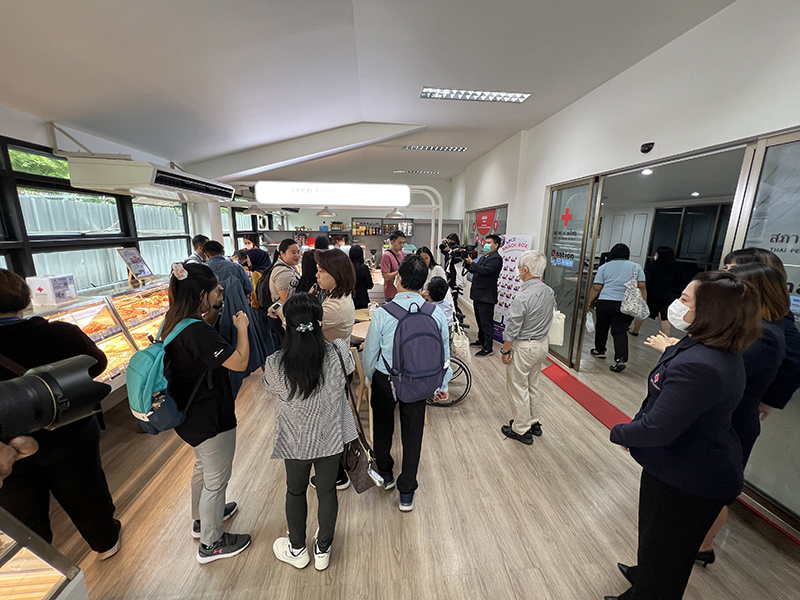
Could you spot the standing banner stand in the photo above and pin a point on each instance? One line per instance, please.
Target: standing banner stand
(508, 283)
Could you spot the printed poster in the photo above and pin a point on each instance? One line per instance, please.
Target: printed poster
(509, 282)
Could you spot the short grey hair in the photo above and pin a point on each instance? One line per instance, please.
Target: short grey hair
(535, 261)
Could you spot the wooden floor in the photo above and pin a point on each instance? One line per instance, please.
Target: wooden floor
(492, 518)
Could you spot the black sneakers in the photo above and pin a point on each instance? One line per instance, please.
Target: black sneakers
(526, 438)
(230, 544)
(484, 353)
(230, 510)
(597, 353)
(618, 366)
(341, 484)
(536, 429)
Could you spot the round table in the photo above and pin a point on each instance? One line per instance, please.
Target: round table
(362, 314)
(360, 330)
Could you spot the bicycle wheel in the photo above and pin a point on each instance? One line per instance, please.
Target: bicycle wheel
(459, 385)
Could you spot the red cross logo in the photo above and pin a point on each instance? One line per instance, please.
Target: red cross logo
(566, 217)
(40, 290)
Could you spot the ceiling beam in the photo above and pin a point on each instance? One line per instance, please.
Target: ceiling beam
(299, 150)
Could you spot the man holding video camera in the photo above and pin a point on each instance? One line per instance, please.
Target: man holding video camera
(68, 459)
(483, 291)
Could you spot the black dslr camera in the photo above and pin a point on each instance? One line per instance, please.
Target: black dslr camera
(49, 397)
(458, 253)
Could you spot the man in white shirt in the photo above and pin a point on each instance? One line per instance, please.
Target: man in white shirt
(197, 256)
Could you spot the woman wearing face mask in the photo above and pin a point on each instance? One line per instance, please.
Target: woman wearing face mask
(199, 358)
(682, 436)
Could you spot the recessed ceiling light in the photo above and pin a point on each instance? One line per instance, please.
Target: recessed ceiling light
(695, 194)
(647, 172)
(437, 148)
(476, 95)
(416, 172)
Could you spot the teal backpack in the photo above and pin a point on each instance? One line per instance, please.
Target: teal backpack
(150, 402)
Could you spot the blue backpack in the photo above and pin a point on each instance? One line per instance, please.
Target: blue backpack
(150, 402)
(418, 366)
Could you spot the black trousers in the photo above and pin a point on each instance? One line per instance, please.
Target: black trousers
(609, 316)
(297, 477)
(412, 424)
(484, 315)
(672, 525)
(278, 330)
(74, 474)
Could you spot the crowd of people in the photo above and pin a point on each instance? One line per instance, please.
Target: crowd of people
(738, 361)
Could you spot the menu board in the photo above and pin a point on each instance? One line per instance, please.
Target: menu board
(135, 262)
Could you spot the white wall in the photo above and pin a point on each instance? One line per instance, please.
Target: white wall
(734, 76)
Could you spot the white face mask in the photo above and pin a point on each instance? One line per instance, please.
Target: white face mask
(396, 280)
(677, 310)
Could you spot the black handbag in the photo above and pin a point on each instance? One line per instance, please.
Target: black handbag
(358, 459)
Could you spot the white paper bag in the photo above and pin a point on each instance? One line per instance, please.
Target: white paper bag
(555, 337)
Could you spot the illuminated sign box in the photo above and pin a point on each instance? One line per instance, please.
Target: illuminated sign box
(366, 195)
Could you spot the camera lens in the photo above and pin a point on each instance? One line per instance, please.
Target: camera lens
(26, 405)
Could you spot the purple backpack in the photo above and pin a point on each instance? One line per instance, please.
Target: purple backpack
(418, 367)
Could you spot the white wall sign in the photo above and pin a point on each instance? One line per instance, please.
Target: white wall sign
(299, 193)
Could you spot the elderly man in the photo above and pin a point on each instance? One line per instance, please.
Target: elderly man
(525, 347)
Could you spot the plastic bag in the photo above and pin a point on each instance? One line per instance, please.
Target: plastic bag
(459, 344)
(589, 322)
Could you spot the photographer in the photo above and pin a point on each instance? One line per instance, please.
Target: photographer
(68, 461)
(483, 291)
(451, 260)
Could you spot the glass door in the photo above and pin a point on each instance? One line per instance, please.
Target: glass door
(566, 246)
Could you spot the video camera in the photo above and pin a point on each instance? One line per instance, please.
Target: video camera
(49, 397)
(459, 253)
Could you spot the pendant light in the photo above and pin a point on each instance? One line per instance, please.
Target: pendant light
(326, 212)
(395, 214)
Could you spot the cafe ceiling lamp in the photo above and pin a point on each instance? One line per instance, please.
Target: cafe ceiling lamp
(326, 212)
(339, 195)
(395, 214)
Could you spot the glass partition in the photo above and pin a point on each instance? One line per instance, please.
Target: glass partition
(775, 224)
(565, 245)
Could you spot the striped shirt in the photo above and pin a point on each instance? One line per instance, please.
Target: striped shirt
(321, 424)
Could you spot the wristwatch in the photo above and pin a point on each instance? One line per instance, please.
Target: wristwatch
(505, 353)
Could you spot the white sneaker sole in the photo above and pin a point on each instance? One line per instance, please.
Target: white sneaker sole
(283, 555)
(406, 507)
(207, 559)
(389, 486)
(109, 553)
(321, 561)
(196, 534)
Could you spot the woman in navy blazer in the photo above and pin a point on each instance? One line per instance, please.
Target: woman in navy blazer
(683, 437)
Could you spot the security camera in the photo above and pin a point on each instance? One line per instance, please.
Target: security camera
(647, 147)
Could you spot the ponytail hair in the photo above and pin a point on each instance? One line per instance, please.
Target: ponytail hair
(186, 286)
(285, 244)
(303, 345)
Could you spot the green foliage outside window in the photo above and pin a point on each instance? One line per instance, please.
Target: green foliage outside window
(38, 164)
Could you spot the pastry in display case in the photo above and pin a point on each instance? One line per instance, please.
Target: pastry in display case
(142, 305)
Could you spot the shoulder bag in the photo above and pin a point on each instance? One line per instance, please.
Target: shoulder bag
(358, 459)
(633, 304)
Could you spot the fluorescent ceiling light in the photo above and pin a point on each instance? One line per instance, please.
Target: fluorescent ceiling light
(416, 172)
(299, 193)
(695, 194)
(326, 212)
(395, 214)
(437, 148)
(647, 172)
(478, 96)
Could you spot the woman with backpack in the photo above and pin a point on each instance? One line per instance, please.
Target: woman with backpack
(197, 362)
(313, 422)
(280, 278)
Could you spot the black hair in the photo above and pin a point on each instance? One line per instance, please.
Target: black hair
(15, 295)
(243, 256)
(356, 255)
(323, 242)
(666, 257)
(437, 289)
(396, 234)
(413, 272)
(303, 352)
(213, 248)
(283, 247)
(749, 255)
(252, 237)
(770, 284)
(308, 264)
(454, 237)
(619, 251)
(198, 241)
(425, 250)
(726, 312)
(496, 238)
(186, 295)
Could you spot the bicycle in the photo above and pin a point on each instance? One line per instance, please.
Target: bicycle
(459, 384)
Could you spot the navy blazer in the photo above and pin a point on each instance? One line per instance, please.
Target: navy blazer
(761, 363)
(787, 381)
(682, 434)
(484, 282)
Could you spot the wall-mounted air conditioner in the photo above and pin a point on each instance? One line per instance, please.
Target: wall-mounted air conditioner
(138, 178)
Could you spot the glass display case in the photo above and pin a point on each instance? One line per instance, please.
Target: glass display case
(120, 320)
(31, 569)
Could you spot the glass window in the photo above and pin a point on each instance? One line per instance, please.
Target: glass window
(666, 227)
(38, 163)
(228, 244)
(243, 222)
(226, 219)
(160, 254)
(157, 219)
(722, 227)
(3, 262)
(53, 212)
(91, 268)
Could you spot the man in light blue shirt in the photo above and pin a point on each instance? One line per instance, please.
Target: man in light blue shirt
(378, 347)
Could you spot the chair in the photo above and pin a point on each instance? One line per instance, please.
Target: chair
(363, 391)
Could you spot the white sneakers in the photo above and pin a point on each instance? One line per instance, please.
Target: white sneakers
(299, 558)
